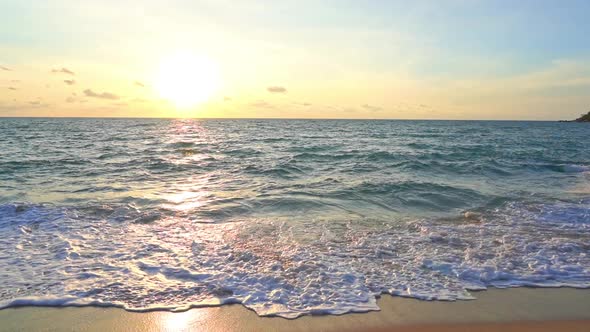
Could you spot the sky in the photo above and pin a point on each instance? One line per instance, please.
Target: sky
(453, 59)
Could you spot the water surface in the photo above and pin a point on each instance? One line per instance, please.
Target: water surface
(288, 217)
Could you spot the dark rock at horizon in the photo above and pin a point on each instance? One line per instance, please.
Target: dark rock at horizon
(583, 118)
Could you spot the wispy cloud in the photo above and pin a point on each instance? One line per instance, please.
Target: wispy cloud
(38, 103)
(69, 82)
(276, 89)
(303, 104)
(371, 108)
(63, 70)
(139, 84)
(103, 95)
(75, 99)
(261, 104)
(12, 88)
(226, 98)
(5, 68)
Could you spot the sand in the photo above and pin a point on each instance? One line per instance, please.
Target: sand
(518, 309)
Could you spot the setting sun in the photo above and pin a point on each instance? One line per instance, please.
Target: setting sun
(187, 79)
(218, 165)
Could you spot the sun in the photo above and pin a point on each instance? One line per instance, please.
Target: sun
(187, 79)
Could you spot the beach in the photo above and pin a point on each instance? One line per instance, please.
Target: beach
(294, 166)
(517, 309)
(407, 220)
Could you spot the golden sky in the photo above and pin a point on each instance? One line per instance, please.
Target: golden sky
(295, 59)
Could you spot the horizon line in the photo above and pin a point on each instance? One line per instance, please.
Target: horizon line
(268, 118)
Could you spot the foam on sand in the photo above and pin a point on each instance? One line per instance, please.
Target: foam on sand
(287, 268)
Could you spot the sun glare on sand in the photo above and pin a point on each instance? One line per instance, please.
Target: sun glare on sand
(187, 79)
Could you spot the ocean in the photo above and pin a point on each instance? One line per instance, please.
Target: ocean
(288, 217)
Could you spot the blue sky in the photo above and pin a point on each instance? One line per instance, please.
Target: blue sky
(462, 57)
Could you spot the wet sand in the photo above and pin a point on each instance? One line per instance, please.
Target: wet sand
(518, 309)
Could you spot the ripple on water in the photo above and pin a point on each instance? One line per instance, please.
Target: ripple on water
(287, 217)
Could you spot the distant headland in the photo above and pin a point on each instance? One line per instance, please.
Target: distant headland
(583, 118)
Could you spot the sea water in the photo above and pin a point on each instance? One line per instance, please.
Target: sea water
(288, 217)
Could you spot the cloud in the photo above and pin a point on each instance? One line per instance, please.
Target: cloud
(75, 99)
(371, 108)
(12, 88)
(5, 68)
(69, 82)
(261, 104)
(139, 84)
(226, 98)
(104, 95)
(303, 104)
(276, 89)
(38, 103)
(15, 81)
(63, 70)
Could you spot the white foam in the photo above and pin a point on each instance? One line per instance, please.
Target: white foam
(287, 268)
(576, 168)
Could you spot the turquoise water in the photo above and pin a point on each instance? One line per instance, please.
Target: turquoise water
(288, 217)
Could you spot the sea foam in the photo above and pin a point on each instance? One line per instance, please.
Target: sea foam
(287, 217)
(288, 268)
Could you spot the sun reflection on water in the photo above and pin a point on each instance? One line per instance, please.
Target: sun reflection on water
(187, 200)
(184, 196)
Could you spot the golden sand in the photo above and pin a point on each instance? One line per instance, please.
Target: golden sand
(519, 309)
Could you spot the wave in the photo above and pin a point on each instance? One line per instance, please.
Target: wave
(327, 266)
(575, 168)
(288, 218)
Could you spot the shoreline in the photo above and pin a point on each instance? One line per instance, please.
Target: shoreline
(562, 306)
